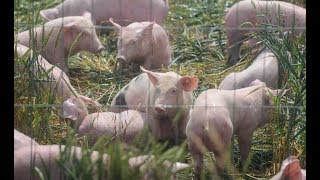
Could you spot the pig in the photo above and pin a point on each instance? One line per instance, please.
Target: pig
(63, 33)
(22, 140)
(125, 125)
(45, 157)
(290, 169)
(255, 12)
(167, 103)
(264, 67)
(218, 114)
(125, 11)
(74, 105)
(143, 43)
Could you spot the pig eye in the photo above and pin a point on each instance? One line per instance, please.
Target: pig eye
(174, 90)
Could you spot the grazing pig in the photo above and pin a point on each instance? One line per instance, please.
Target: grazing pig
(45, 157)
(125, 125)
(143, 43)
(73, 107)
(290, 169)
(63, 32)
(258, 12)
(22, 140)
(125, 10)
(168, 102)
(218, 114)
(264, 68)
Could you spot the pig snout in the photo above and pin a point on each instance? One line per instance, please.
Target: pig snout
(159, 108)
(100, 49)
(122, 59)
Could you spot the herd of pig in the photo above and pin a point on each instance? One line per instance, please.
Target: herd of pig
(160, 102)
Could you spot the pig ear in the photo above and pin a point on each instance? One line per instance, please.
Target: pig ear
(291, 169)
(87, 100)
(153, 77)
(49, 14)
(189, 83)
(71, 25)
(69, 110)
(118, 27)
(257, 82)
(86, 14)
(148, 29)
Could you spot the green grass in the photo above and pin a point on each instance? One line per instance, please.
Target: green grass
(199, 50)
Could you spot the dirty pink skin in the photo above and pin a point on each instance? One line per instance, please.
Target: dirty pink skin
(290, 169)
(45, 156)
(244, 11)
(58, 47)
(143, 43)
(74, 104)
(22, 140)
(168, 102)
(215, 118)
(264, 68)
(125, 125)
(126, 11)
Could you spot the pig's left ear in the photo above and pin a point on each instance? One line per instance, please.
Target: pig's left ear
(153, 77)
(291, 169)
(189, 83)
(70, 110)
(69, 26)
(147, 31)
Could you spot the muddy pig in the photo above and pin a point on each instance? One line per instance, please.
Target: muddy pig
(73, 106)
(143, 43)
(168, 102)
(125, 125)
(63, 33)
(126, 11)
(45, 157)
(258, 12)
(290, 169)
(264, 68)
(218, 114)
(22, 140)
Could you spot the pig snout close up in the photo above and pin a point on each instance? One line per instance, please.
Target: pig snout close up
(290, 169)
(143, 43)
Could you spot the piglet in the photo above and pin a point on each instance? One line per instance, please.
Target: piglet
(22, 140)
(125, 125)
(218, 114)
(239, 16)
(66, 37)
(264, 68)
(143, 43)
(290, 169)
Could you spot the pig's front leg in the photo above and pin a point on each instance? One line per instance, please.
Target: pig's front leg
(245, 141)
(198, 159)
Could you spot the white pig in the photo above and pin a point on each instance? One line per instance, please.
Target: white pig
(63, 33)
(258, 12)
(125, 125)
(22, 140)
(126, 11)
(290, 169)
(143, 43)
(264, 68)
(218, 114)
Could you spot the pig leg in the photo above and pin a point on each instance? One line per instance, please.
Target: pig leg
(245, 141)
(198, 158)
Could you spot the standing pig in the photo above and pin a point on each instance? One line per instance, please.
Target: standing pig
(61, 44)
(73, 107)
(264, 68)
(168, 102)
(125, 125)
(290, 169)
(258, 12)
(125, 10)
(144, 43)
(218, 114)
(22, 140)
(45, 158)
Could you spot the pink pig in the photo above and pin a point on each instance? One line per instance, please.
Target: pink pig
(126, 11)
(144, 43)
(218, 114)
(22, 140)
(257, 12)
(61, 44)
(290, 169)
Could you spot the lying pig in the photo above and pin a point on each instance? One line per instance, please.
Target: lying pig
(73, 107)
(264, 68)
(125, 125)
(63, 33)
(22, 140)
(45, 157)
(290, 169)
(218, 114)
(167, 104)
(143, 43)
(257, 12)
(125, 10)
